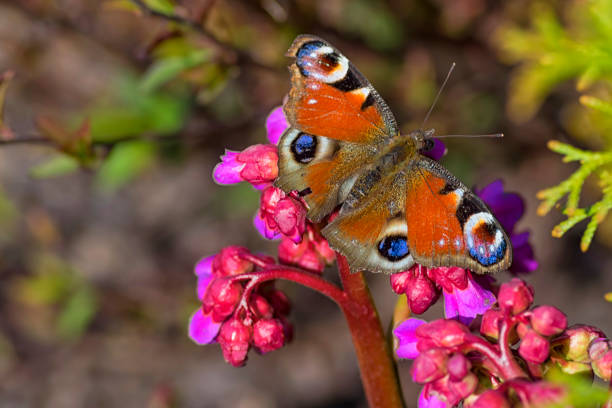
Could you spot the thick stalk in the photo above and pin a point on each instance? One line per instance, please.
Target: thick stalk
(376, 364)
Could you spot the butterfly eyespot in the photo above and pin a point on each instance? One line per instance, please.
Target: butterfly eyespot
(485, 241)
(394, 247)
(320, 61)
(304, 147)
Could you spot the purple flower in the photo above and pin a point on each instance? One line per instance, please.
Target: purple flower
(466, 304)
(508, 208)
(406, 336)
(202, 329)
(437, 151)
(276, 124)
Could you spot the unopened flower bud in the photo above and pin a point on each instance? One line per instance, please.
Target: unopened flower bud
(548, 320)
(515, 296)
(522, 329)
(458, 366)
(534, 347)
(420, 292)
(490, 323)
(268, 335)
(400, 281)
(465, 386)
(601, 358)
(221, 298)
(260, 306)
(234, 338)
(445, 333)
(429, 366)
(576, 341)
(491, 399)
(279, 301)
(230, 262)
(261, 163)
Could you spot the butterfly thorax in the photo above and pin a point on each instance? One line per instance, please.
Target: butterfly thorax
(392, 159)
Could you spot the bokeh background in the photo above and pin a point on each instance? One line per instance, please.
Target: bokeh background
(97, 244)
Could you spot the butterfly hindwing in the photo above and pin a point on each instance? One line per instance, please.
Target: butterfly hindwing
(448, 225)
(372, 235)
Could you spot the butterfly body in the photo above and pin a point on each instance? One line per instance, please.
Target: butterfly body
(396, 207)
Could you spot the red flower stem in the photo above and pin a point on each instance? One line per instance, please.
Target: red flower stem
(376, 364)
(304, 278)
(511, 368)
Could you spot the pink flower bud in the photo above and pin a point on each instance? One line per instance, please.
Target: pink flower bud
(268, 335)
(400, 281)
(290, 217)
(449, 277)
(548, 320)
(463, 387)
(444, 333)
(260, 164)
(313, 253)
(602, 366)
(515, 296)
(260, 306)
(544, 393)
(429, 366)
(279, 301)
(234, 338)
(230, 262)
(522, 329)
(490, 323)
(491, 399)
(221, 298)
(458, 366)
(419, 289)
(534, 347)
(576, 341)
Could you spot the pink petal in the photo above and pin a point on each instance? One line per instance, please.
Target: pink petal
(431, 402)
(276, 124)
(468, 303)
(262, 228)
(405, 333)
(228, 171)
(203, 271)
(202, 330)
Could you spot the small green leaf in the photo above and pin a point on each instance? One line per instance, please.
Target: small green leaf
(77, 313)
(166, 69)
(163, 6)
(126, 161)
(57, 166)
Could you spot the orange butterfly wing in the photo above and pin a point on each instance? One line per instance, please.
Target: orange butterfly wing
(450, 226)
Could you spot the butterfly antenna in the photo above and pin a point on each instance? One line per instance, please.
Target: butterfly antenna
(438, 95)
(491, 135)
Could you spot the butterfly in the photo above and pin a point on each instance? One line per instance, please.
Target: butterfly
(397, 207)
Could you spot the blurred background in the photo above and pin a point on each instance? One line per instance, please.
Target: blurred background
(116, 115)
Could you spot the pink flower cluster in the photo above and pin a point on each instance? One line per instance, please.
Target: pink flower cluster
(237, 311)
(451, 360)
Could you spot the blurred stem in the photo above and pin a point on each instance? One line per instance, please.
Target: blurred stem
(376, 364)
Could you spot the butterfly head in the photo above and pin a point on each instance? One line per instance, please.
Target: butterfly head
(423, 139)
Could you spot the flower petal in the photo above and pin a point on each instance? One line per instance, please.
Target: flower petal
(203, 271)
(262, 228)
(468, 303)
(508, 208)
(438, 150)
(228, 171)
(431, 402)
(523, 258)
(405, 333)
(276, 123)
(202, 330)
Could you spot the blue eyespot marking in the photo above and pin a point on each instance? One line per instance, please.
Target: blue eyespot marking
(307, 55)
(394, 247)
(487, 251)
(304, 147)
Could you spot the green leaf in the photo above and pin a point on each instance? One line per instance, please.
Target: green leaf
(168, 68)
(580, 391)
(126, 161)
(57, 166)
(77, 313)
(163, 6)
